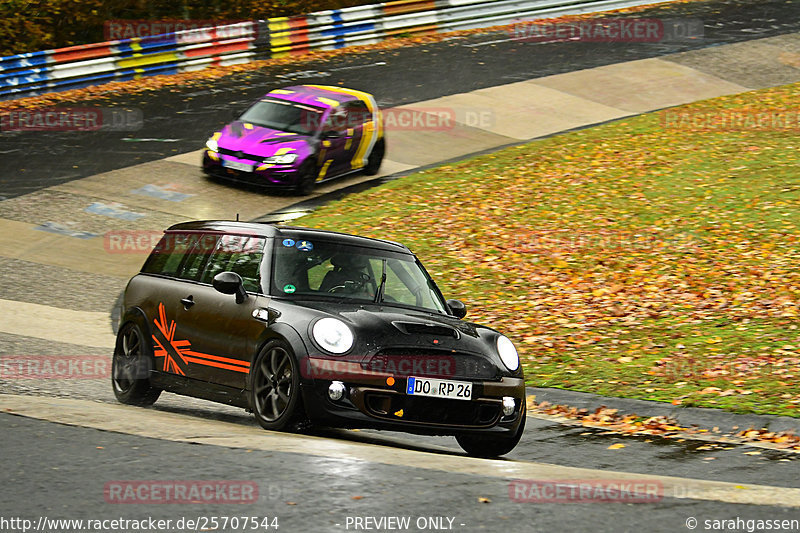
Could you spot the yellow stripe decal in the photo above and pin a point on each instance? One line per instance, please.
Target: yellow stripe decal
(371, 132)
(328, 101)
(324, 169)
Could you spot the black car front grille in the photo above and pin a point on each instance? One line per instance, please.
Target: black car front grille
(235, 175)
(442, 364)
(241, 155)
(438, 411)
(248, 178)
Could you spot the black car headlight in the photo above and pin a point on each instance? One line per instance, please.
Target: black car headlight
(508, 353)
(332, 335)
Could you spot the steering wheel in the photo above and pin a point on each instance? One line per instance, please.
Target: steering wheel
(352, 284)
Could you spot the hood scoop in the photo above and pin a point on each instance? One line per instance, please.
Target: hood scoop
(418, 328)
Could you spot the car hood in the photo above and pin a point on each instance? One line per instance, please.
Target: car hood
(252, 139)
(380, 329)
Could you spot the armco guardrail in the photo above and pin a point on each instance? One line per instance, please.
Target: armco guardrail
(80, 66)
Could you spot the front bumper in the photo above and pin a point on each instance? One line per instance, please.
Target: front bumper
(276, 176)
(372, 402)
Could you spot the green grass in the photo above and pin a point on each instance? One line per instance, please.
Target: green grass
(630, 259)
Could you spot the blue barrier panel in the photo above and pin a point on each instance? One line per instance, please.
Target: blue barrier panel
(28, 90)
(32, 59)
(24, 77)
(26, 74)
(339, 30)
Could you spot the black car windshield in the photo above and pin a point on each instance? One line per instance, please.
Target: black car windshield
(321, 269)
(284, 116)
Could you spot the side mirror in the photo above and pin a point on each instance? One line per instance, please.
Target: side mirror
(230, 283)
(457, 307)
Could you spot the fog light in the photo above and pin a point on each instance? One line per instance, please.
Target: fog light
(336, 390)
(508, 405)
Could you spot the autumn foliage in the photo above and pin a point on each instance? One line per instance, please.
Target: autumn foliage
(27, 26)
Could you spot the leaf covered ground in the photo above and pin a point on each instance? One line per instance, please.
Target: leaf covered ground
(646, 258)
(613, 421)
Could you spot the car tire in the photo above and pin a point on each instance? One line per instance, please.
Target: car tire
(375, 158)
(275, 387)
(307, 178)
(488, 446)
(130, 368)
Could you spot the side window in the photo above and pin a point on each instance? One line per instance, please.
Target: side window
(237, 253)
(172, 252)
(337, 120)
(357, 114)
(195, 260)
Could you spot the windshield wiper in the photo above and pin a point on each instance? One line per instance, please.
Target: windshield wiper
(379, 293)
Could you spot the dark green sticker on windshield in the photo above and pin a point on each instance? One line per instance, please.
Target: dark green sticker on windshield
(289, 289)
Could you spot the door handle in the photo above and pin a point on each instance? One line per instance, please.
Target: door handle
(187, 302)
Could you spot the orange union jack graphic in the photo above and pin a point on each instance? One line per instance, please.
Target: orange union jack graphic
(178, 355)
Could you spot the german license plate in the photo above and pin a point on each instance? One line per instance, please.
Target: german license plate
(235, 165)
(439, 388)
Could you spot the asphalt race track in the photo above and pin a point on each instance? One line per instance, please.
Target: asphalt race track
(185, 118)
(65, 196)
(312, 493)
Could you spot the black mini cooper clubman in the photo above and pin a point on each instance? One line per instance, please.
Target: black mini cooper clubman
(306, 326)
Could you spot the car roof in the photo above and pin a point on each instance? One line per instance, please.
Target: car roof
(273, 231)
(315, 95)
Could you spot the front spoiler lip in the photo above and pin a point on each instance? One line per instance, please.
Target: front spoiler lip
(362, 382)
(358, 397)
(277, 176)
(252, 178)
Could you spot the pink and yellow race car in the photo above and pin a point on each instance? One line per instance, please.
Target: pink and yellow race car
(296, 137)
